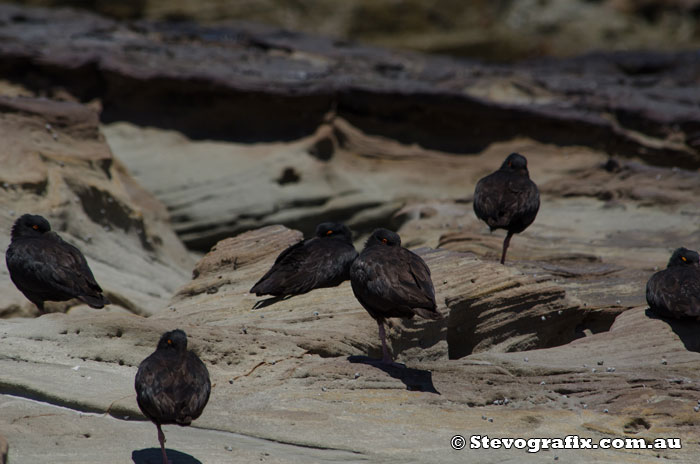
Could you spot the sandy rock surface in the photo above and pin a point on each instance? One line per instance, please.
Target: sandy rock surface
(297, 105)
(237, 187)
(556, 332)
(509, 29)
(555, 343)
(297, 371)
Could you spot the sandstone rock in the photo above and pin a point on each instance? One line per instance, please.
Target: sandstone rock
(363, 108)
(56, 163)
(353, 186)
(292, 377)
(495, 31)
(616, 181)
(295, 371)
(602, 100)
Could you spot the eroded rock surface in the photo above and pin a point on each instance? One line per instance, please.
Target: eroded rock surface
(502, 30)
(238, 187)
(348, 109)
(248, 83)
(555, 343)
(296, 370)
(55, 162)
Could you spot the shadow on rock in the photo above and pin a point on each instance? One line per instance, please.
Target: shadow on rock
(687, 329)
(154, 456)
(414, 379)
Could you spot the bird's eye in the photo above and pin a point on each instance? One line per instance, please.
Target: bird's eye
(35, 227)
(683, 258)
(385, 241)
(170, 342)
(329, 232)
(510, 164)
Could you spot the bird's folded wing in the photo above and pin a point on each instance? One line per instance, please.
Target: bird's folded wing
(404, 281)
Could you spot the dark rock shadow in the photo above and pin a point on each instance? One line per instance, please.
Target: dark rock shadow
(414, 379)
(687, 329)
(154, 456)
(270, 301)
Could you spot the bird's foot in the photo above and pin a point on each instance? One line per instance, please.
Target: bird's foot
(388, 362)
(166, 460)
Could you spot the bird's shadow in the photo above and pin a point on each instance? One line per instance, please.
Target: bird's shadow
(687, 329)
(414, 379)
(154, 456)
(270, 301)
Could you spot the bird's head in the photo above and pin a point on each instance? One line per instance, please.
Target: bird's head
(515, 163)
(30, 225)
(383, 237)
(684, 257)
(334, 230)
(173, 340)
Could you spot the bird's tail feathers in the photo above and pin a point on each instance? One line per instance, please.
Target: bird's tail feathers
(95, 301)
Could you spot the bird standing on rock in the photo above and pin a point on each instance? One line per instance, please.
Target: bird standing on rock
(391, 281)
(675, 291)
(507, 199)
(45, 268)
(172, 384)
(321, 261)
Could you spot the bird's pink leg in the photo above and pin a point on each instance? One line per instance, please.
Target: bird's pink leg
(386, 356)
(161, 439)
(506, 242)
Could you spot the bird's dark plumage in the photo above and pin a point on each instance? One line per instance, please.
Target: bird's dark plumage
(391, 281)
(172, 384)
(507, 199)
(321, 261)
(675, 291)
(45, 268)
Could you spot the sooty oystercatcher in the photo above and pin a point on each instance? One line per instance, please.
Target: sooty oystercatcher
(391, 281)
(321, 261)
(172, 384)
(507, 199)
(675, 291)
(46, 268)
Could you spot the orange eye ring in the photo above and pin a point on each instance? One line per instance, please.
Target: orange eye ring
(385, 241)
(35, 227)
(330, 232)
(170, 342)
(683, 258)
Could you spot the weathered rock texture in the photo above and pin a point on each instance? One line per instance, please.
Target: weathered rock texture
(55, 162)
(560, 332)
(252, 83)
(295, 371)
(492, 30)
(349, 108)
(215, 189)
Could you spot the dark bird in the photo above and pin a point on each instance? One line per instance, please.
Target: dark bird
(507, 199)
(675, 291)
(321, 261)
(45, 268)
(391, 281)
(172, 384)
